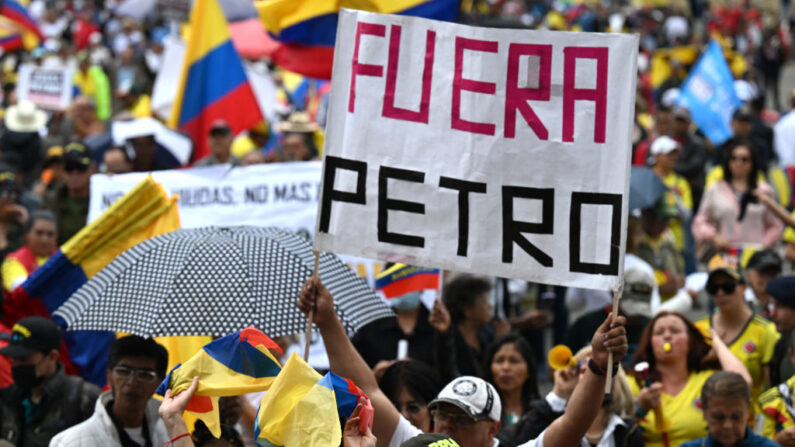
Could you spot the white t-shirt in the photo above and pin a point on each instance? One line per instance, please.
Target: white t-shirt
(405, 431)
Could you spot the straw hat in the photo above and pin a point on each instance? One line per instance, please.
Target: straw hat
(298, 122)
(25, 117)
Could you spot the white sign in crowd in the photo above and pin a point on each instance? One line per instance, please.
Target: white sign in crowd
(50, 88)
(493, 151)
(281, 195)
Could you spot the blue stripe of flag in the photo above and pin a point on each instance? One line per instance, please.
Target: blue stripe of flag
(211, 78)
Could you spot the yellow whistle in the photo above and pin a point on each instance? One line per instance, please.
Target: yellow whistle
(560, 357)
(667, 347)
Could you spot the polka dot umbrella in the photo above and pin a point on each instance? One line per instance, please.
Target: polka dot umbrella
(213, 281)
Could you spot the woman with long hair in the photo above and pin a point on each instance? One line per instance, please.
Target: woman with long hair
(730, 216)
(510, 368)
(679, 362)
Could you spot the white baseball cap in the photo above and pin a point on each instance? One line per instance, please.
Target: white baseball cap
(663, 145)
(478, 398)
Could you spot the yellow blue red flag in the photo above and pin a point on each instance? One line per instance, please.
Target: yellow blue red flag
(144, 212)
(213, 84)
(232, 365)
(307, 29)
(401, 279)
(304, 408)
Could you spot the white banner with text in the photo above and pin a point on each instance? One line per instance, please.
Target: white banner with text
(480, 150)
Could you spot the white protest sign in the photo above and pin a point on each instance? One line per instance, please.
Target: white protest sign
(49, 88)
(280, 195)
(481, 150)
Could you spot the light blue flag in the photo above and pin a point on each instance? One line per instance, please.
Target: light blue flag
(708, 92)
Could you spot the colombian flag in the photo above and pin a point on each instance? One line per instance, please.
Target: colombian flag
(304, 408)
(142, 213)
(18, 14)
(213, 84)
(307, 29)
(401, 279)
(232, 365)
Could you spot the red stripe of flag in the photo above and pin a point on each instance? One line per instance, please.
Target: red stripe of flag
(413, 283)
(239, 108)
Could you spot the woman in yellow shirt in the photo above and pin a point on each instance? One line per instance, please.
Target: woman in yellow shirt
(751, 338)
(679, 365)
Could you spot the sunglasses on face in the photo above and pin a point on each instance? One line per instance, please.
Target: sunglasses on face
(143, 375)
(71, 167)
(727, 287)
(740, 159)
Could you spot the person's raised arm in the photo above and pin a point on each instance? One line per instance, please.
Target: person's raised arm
(171, 410)
(343, 358)
(728, 361)
(586, 400)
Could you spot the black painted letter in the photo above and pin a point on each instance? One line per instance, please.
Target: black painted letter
(512, 229)
(330, 194)
(385, 204)
(464, 188)
(578, 199)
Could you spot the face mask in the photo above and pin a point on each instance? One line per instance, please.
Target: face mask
(409, 301)
(25, 376)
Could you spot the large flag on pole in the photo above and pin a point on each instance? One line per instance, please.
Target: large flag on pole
(307, 29)
(142, 213)
(213, 84)
(708, 92)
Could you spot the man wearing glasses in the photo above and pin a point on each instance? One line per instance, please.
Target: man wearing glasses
(43, 400)
(125, 416)
(69, 202)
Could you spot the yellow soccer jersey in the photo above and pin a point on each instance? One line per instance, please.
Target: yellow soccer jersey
(777, 406)
(754, 347)
(681, 189)
(683, 412)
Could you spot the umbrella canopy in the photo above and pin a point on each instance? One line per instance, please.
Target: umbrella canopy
(645, 187)
(213, 281)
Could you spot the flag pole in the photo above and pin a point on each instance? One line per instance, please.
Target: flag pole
(311, 311)
(616, 296)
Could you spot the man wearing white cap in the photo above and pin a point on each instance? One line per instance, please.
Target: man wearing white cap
(467, 409)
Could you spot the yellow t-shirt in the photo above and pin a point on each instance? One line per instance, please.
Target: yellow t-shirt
(14, 273)
(683, 412)
(754, 347)
(774, 407)
(679, 186)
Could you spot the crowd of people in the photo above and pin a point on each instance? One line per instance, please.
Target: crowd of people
(703, 339)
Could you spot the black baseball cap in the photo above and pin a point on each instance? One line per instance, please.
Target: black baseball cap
(782, 289)
(31, 335)
(765, 261)
(77, 152)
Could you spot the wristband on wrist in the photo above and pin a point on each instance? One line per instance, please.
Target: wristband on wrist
(171, 442)
(640, 412)
(598, 370)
